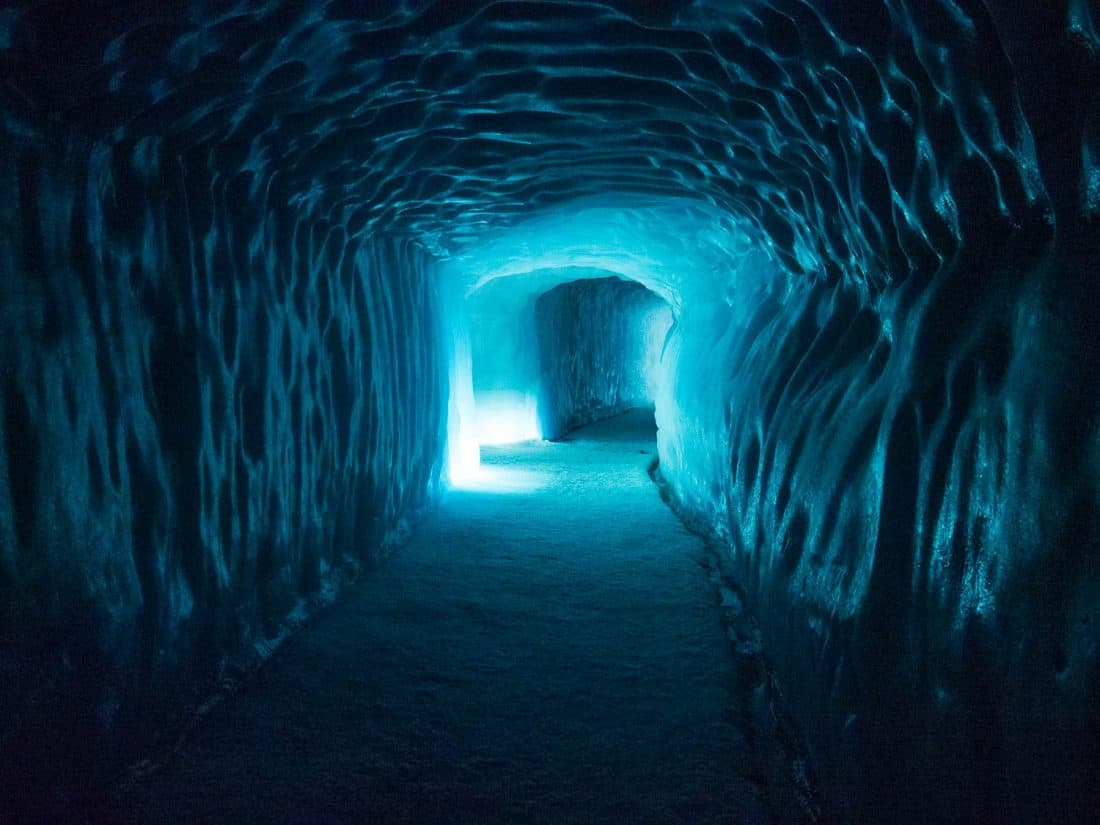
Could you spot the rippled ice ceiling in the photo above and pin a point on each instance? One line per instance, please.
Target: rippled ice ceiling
(857, 138)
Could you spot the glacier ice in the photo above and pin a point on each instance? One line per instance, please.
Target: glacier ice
(259, 263)
(600, 350)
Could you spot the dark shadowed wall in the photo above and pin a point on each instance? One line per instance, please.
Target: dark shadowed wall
(213, 410)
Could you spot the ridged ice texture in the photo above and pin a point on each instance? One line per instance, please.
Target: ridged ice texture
(211, 412)
(860, 142)
(896, 425)
(910, 498)
(596, 344)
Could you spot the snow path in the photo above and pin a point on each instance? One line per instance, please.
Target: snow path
(546, 648)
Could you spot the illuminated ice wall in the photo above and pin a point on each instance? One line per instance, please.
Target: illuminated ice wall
(556, 348)
(248, 247)
(600, 347)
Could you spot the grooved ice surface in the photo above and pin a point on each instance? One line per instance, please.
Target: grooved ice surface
(600, 342)
(212, 410)
(861, 139)
(875, 220)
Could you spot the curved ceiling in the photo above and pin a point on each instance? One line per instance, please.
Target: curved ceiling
(854, 144)
(675, 247)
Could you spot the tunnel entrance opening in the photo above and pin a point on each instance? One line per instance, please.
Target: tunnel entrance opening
(682, 252)
(549, 355)
(600, 343)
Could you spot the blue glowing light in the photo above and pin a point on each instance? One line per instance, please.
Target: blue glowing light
(505, 417)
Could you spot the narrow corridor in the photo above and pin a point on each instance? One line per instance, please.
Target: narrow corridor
(548, 647)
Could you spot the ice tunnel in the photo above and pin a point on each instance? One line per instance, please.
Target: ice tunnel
(272, 273)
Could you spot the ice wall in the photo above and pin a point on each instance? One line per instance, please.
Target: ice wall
(557, 347)
(907, 475)
(504, 350)
(600, 343)
(919, 548)
(213, 409)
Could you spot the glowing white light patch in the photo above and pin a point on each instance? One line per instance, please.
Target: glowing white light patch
(492, 478)
(507, 417)
(463, 452)
(464, 460)
(655, 328)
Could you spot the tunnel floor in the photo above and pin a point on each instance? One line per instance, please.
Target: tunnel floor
(548, 647)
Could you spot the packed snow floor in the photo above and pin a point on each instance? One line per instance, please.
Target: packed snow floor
(547, 648)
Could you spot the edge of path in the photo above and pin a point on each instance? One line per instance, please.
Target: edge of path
(763, 716)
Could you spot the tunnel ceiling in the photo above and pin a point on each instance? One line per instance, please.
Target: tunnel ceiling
(858, 140)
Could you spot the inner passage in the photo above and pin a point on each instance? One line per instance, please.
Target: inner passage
(560, 348)
(547, 642)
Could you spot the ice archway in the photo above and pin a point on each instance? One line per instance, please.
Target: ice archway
(675, 248)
